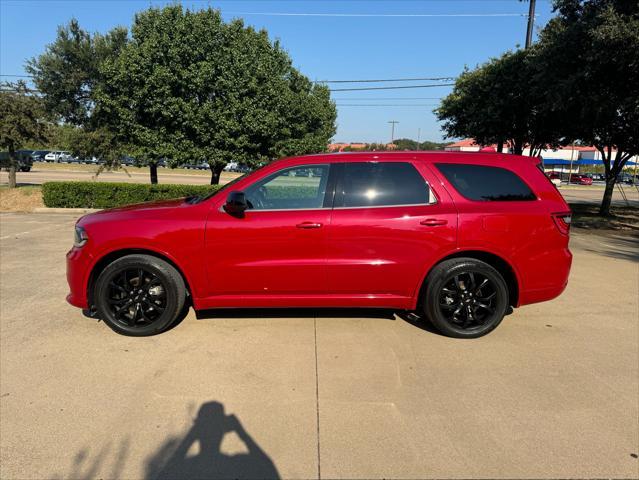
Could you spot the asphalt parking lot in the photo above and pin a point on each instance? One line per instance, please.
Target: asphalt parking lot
(553, 392)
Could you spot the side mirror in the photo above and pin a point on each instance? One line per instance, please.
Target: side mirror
(236, 203)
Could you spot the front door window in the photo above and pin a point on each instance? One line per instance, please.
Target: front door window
(297, 188)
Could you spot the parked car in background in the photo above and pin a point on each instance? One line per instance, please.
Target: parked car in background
(38, 155)
(625, 178)
(196, 166)
(57, 156)
(237, 167)
(555, 178)
(458, 237)
(580, 179)
(127, 161)
(596, 177)
(25, 160)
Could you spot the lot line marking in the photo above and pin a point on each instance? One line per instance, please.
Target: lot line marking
(319, 470)
(19, 234)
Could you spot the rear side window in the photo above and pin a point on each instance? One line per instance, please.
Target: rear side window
(375, 184)
(493, 184)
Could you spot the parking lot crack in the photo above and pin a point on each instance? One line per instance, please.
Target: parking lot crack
(319, 470)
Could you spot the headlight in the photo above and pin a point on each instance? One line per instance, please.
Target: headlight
(80, 237)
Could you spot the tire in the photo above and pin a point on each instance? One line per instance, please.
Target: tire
(465, 298)
(135, 308)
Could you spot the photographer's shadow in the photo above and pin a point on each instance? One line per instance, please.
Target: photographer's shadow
(172, 461)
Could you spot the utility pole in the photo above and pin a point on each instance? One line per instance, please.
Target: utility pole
(531, 22)
(393, 123)
(419, 133)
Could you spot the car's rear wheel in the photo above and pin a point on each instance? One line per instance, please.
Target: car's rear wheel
(465, 298)
(139, 295)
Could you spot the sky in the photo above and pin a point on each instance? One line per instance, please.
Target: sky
(357, 40)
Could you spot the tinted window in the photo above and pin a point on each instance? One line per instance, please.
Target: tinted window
(369, 184)
(296, 188)
(478, 182)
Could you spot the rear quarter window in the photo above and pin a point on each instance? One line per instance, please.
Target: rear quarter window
(486, 184)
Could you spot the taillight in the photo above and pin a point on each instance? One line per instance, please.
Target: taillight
(562, 221)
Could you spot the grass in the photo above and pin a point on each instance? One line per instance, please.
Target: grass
(81, 167)
(22, 199)
(621, 218)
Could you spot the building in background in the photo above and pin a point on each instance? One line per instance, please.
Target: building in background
(569, 159)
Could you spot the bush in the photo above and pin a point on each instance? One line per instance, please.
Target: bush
(108, 195)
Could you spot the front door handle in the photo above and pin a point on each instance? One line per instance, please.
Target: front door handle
(433, 222)
(308, 225)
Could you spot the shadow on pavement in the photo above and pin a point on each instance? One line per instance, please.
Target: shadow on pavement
(297, 313)
(624, 246)
(211, 425)
(197, 455)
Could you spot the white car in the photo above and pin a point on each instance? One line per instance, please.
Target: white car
(57, 156)
(230, 167)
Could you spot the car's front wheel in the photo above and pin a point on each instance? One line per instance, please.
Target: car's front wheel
(465, 298)
(139, 295)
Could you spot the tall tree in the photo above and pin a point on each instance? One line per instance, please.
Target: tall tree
(590, 53)
(68, 74)
(69, 70)
(21, 122)
(497, 103)
(190, 87)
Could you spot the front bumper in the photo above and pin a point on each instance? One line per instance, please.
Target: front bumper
(78, 265)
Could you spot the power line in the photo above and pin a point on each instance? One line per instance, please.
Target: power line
(387, 80)
(18, 76)
(390, 88)
(386, 15)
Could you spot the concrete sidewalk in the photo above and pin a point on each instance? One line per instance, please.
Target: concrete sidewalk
(306, 394)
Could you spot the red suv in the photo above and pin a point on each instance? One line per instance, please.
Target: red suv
(460, 237)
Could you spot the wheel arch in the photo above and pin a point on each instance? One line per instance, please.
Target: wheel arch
(113, 255)
(506, 270)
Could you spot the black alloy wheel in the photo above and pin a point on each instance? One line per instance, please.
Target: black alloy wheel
(139, 295)
(136, 297)
(465, 298)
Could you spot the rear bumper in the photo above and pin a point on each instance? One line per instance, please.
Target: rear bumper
(557, 275)
(78, 262)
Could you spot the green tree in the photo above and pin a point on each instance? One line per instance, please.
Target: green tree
(409, 144)
(22, 121)
(590, 50)
(406, 144)
(68, 72)
(190, 87)
(498, 103)
(68, 75)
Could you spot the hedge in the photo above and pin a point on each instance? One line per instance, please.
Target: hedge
(108, 195)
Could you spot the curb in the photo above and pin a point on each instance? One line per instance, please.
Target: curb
(65, 210)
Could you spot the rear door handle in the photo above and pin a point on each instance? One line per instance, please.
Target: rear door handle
(433, 222)
(308, 225)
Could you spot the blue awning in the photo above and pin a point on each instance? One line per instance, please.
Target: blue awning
(590, 161)
(557, 161)
(581, 161)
